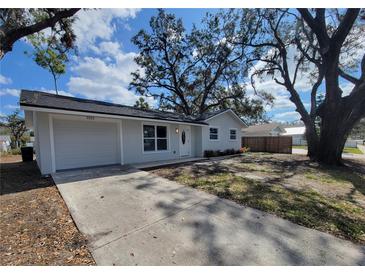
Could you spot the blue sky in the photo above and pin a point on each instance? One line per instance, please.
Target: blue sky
(102, 68)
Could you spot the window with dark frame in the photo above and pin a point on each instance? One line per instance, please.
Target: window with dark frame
(213, 133)
(232, 134)
(154, 138)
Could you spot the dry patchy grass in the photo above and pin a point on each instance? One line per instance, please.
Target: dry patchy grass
(327, 199)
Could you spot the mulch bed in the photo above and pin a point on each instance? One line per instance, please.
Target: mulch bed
(36, 227)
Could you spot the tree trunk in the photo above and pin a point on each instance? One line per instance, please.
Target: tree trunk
(334, 132)
(331, 144)
(333, 129)
(312, 140)
(55, 80)
(15, 144)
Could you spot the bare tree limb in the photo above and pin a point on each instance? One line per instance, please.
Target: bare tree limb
(9, 37)
(348, 77)
(345, 26)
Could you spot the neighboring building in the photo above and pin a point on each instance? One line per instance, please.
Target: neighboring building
(73, 133)
(263, 130)
(298, 134)
(275, 129)
(5, 142)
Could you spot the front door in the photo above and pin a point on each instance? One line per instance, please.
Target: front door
(185, 143)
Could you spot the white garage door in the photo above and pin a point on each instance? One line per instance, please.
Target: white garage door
(84, 143)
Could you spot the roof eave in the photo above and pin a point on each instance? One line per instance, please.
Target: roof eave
(25, 106)
(228, 110)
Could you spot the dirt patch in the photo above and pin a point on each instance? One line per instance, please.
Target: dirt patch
(36, 227)
(290, 186)
(10, 158)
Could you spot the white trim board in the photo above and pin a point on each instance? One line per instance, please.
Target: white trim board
(168, 137)
(51, 137)
(181, 127)
(228, 110)
(120, 126)
(218, 133)
(229, 134)
(84, 113)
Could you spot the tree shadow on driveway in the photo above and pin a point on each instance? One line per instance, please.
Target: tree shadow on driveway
(232, 235)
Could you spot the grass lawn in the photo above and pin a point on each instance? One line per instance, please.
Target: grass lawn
(36, 227)
(353, 150)
(289, 186)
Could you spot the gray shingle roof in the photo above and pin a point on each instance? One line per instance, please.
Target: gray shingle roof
(207, 115)
(48, 100)
(261, 130)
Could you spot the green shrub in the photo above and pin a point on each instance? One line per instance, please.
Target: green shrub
(208, 153)
(216, 153)
(15, 151)
(229, 152)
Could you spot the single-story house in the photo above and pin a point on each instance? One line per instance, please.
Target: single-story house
(264, 130)
(73, 133)
(297, 132)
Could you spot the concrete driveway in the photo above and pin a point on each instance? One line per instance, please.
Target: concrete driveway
(135, 218)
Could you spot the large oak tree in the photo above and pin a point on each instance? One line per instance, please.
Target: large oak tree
(16, 126)
(322, 45)
(192, 72)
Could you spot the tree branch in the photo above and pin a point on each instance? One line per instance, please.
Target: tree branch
(11, 36)
(348, 77)
(317, 24)
(345, 26)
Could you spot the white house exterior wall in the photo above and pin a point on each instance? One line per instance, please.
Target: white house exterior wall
(130, 137)
(133, 142)
(43, 140)
(224, 122)
(197, 141)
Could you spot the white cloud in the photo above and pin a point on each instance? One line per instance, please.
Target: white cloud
(346, 88)
(10, 91)
(266, 82)
(112, 72)
(94, 24)
(354, 48)
(105, 80)
(282, 107)
(103, 71)
(103, 91)
(286, 116)
(5, 80)
(11, 106)
(282, 101)
(16, 93)
(109, 48)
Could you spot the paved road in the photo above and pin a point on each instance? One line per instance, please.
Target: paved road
(135, 218)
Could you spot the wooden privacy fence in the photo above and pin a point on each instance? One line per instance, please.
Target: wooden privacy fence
(274, 144)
